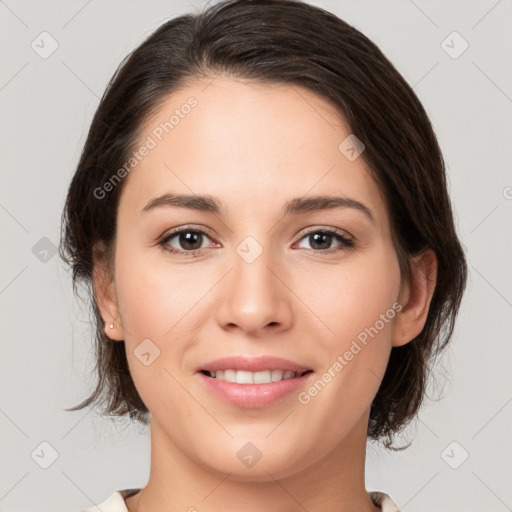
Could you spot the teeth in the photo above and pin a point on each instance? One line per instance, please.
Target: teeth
(245, 377)
(277, 375)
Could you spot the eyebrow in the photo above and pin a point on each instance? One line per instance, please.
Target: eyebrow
(297, 205)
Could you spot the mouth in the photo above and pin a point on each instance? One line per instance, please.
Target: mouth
(247, 382)
(248, 377)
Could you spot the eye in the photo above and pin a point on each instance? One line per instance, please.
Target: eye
(189, 241)
(320, 240)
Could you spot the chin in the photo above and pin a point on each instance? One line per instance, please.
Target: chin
(261, 461)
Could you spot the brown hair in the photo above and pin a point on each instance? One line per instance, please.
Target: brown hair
(278, 41)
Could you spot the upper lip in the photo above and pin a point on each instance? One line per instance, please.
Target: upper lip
(253, 364)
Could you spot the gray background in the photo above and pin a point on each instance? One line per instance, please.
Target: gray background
(46, 352)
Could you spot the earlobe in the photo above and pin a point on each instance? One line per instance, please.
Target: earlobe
(104, 292)
(417, 297)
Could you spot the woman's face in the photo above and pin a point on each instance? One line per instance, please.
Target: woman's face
(267, 279)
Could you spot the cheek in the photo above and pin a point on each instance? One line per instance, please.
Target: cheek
(154, 299)
(359, 307)
(358, 292)
(155, 305)
(162, 308)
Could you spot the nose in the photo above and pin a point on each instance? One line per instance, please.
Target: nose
(254, 296)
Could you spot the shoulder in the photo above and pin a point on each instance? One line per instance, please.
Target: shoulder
(384, 501)
(114, 503)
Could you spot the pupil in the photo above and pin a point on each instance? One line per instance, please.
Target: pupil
(191, 239)
(319, 238)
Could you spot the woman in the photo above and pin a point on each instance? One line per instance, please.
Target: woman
(261, 212)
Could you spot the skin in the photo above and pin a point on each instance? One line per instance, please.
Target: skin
(254, 147)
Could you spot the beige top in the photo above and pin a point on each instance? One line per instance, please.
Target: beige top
(115, 503)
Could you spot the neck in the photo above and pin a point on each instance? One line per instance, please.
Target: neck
(334, 483)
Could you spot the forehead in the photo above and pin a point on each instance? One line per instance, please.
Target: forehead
(242, 141)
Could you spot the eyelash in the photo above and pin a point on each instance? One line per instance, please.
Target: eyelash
(345, 242)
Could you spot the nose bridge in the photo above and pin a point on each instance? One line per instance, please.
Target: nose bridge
(254, 296)
(252, 261)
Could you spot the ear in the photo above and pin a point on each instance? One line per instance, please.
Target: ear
(415, 298)
(104, 291)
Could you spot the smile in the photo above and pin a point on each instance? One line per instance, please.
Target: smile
(247, 377)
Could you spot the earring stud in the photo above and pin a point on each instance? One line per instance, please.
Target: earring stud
(111, 326)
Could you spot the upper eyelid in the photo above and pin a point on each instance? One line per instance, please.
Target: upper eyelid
(179, 230)
(338, 231)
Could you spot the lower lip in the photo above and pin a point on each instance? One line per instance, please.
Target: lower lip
(253, 395)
